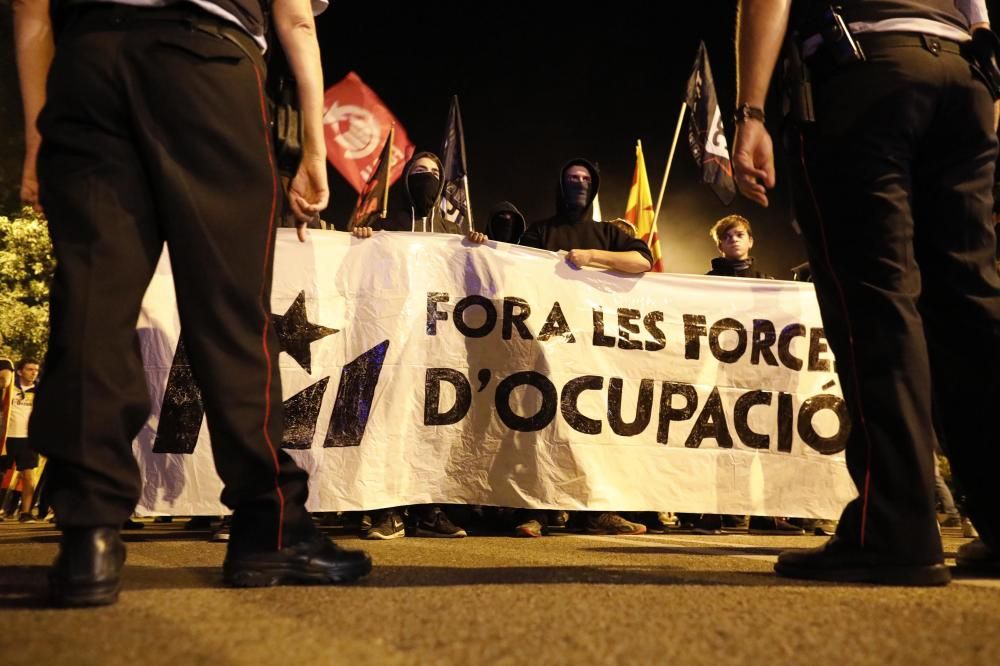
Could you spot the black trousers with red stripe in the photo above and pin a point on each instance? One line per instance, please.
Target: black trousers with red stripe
(895, 207)
(154, 132)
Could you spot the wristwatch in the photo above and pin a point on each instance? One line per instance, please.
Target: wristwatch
(746, 112)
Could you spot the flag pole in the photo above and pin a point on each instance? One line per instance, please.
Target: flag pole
(461, 155)
(388, 171)
(670, 160)
(468, 201)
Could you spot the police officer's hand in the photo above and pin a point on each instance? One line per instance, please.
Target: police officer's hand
(753, 160)
(308, 192)
(476, 237)
(29, 187)
(361, 232)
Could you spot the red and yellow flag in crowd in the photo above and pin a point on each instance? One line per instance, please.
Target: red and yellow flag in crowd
(640, 212)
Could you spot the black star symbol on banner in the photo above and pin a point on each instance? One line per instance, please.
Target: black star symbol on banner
(296, 332)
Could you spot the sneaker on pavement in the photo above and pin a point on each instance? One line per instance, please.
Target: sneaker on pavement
(734, 523)
(27, 517)
(825, 528)
(199, 523)
(365, 523)
(529, 528)
(773, 526)
(667, 519)
(708, 524)
(387, 526)
(968, 529)
(436, 524)
(952, 521)
(611, 523)
(977, 558)
(557, 519)
(222, 534)
(314, 560)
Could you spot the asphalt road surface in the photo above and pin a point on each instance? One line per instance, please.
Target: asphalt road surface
(652, 599)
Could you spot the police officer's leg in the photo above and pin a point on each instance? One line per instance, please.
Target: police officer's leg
(855, 213)
(94, 398)
(955, 243)
(200, 107)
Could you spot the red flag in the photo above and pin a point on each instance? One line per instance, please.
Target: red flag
(356, 124)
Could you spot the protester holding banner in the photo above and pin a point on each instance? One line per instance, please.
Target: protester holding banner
(573, 230)
(414, 202)
(588, 243)
(156, 130)
(894, 137)
(415, 207)
(506, 223)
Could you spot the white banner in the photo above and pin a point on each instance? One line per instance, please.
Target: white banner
(419, 368)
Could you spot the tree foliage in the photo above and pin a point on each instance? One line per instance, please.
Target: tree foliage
(26, 268)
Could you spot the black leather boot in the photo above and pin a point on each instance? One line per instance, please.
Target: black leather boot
(88, 569)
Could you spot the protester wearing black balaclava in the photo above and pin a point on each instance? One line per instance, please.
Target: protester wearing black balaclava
(506, 223)
(423, 183)
(414, 205)
(587, 243)
(574, 230)
(576, 184)
(414, 200)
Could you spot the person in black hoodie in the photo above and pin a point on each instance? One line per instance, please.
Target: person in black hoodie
(414, 202)
(588, 243)
(574, 230)
(506, 223)
(414, 206)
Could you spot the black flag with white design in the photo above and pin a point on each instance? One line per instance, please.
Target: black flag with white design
(455, 198)
(373, 200)
(706, 133)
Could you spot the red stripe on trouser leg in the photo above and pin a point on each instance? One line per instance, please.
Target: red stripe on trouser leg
(265, 307)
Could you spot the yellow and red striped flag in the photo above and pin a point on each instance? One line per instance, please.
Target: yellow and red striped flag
(640, 212)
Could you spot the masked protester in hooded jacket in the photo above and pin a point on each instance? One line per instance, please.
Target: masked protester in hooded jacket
(414, 201)
(573, 229)
(506, 223)
(414, 205)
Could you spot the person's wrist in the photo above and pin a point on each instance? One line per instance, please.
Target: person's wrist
(747, 112)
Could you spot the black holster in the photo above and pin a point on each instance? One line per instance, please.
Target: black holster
(797, 83)
(983, 52)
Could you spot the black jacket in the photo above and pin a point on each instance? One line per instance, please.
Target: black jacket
(576, 230)
(734, 268)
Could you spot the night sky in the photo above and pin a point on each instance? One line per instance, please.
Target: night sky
(542, 82)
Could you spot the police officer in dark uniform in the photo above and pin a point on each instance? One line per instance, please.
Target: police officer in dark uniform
(894, 153)
(155, 130)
